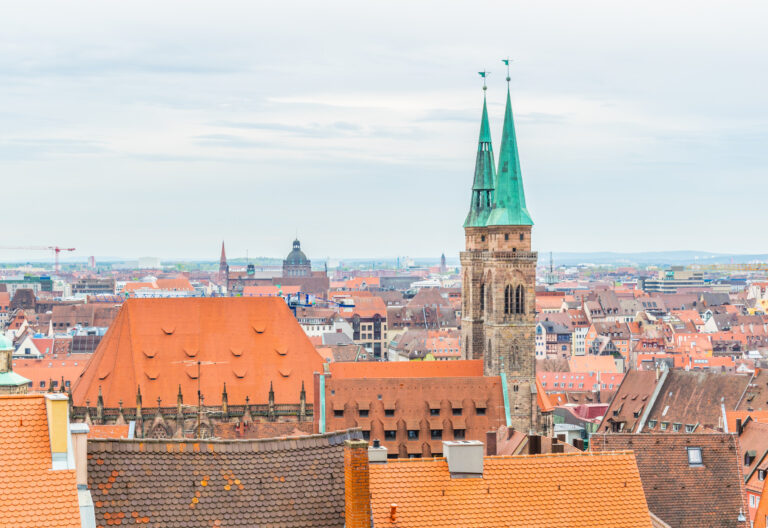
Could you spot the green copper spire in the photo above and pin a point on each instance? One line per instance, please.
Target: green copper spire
(485, 174)
(509, 204)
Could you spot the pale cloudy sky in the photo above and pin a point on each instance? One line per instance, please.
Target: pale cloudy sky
(159, 128)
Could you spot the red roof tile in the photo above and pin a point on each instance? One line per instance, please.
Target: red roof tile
(246, 343)
(32, 494)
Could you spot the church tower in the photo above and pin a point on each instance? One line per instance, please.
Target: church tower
(223, 266)
(499, 273)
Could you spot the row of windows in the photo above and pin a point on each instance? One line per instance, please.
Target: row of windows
(365, 413)
(689, 428)
(413, 434)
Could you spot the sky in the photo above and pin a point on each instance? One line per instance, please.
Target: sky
(137, 128)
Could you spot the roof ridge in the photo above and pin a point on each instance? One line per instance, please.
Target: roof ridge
(281, 443)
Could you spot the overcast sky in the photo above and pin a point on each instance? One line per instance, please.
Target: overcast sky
(160, 128)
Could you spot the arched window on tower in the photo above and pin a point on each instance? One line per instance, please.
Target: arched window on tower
(482, 297)
(519, 299)
(489, 300)
(508, 299)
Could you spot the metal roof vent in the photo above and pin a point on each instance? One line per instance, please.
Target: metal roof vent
(465, 458)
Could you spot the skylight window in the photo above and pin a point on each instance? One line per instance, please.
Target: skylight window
(694, 456)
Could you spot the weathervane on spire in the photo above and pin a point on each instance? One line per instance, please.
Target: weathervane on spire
(484, 74)
(507, 61)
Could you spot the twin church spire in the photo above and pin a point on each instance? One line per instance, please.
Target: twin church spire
(498, 197)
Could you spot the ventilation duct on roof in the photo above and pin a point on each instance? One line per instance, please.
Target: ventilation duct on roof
(465, 458)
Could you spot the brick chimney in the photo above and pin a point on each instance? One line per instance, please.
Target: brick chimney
(357, 493)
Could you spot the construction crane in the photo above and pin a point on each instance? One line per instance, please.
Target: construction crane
(56, 250)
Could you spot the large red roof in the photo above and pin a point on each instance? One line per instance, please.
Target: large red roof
(246, 343)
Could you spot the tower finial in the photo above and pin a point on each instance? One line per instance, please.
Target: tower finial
(507, 61)
(484, 74)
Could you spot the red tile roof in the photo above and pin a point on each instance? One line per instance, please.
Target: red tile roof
(566, 490)
(32, 494)
(246, 343)
(108, 431)
(408, 369)
(682, 494)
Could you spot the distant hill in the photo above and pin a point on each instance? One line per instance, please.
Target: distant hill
(669, 258)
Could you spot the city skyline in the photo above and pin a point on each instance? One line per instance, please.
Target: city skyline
(181, 135)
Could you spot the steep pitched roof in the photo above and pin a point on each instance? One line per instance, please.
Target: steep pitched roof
(245, 342)
(288, 482)
(485, 176)
(680, 493)
(33, 494)
(515, 491)
(509, 199)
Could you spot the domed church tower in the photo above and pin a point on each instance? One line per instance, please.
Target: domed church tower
(296, 264)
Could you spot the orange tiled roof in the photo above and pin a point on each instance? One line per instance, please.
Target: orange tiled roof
(581, 489)
(732, 416)
(68, 367)
(108, 431)
(32, 494)
(245, 342)
(408, 369)
(542, 399)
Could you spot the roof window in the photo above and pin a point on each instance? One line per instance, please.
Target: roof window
(694, 456)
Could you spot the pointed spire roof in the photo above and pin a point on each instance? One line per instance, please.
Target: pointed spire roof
(509, 203)
(485, 175)
(223, 258)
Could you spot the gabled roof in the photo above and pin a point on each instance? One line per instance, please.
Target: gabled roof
(515, 491)
(287, 482)
(245, 342)
(32, 493)
(679, 493)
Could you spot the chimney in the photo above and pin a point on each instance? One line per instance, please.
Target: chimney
(490, 443)
(534, 445)
(357, 492)
(80, 449)
(57, 407)
(739, 427)
(465, 458)
(558, 448)
(377, 453)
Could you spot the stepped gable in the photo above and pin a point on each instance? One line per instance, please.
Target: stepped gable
(247, 343)
(283, 482)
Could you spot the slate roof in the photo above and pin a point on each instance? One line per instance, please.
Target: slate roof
(575, 490)
(682, 495)
(287, 482)
(32, 494)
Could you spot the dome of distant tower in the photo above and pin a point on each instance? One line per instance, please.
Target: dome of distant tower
(296, 256)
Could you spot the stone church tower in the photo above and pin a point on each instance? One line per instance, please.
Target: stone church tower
(499, 273)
